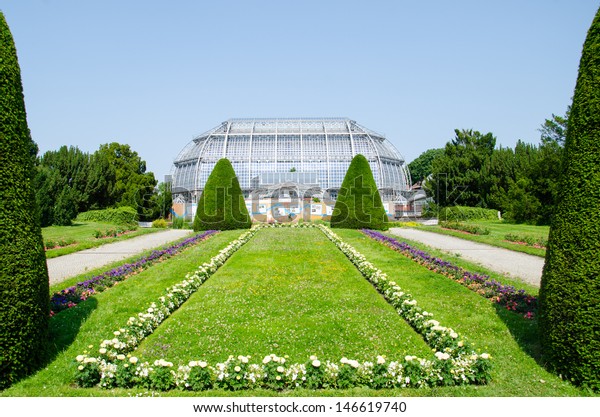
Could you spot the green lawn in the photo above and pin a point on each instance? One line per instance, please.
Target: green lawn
(290, 291)
(498, 230)
(73, 330)
(83, 234)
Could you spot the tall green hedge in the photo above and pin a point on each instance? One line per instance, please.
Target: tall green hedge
(126, 216)
(569, 315)
(24, 298)
(463, 213)
(359, 204)
(221, 205)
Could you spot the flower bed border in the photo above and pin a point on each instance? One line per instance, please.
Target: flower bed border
(507, 295)
(75, 294)
(455, 363)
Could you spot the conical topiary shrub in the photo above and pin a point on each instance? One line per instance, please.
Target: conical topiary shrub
(569, 314)
(221, 205)
(24, 303)
(359, 204)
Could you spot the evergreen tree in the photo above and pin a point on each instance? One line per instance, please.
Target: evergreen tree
(457, 178)
(221, 205)
(569, 316)
(24, 304)
(421, 167)
(359, 204)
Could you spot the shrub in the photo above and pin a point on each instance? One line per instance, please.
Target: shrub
(122, 216)
(570, 288)
(358, 204)
(51, 244)
(529, 240)
(24, 308)
(159, 224)
(221, 205)
(468, 228)
(463, 213)
(178, 222)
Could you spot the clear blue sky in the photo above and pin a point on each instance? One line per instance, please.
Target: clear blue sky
(154, 74)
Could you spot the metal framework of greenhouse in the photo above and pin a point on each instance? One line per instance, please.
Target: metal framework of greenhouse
(318, 150)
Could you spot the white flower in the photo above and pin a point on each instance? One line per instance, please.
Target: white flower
(203, 364)
(453, 335)
(409, 358)
(313, 358)
(266, 360)
(280, 369)
(380, 360)
(237, 369)
(192, 364)
(102, 351)
(133, 360)
(117, 333)
(121, 357)
(80, 367)
(344, 360)
(484, 356)
(316, 363)
(442, 356)
(278, 378)
(80, 358)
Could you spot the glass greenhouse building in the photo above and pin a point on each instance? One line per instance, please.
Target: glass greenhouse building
(309, 155)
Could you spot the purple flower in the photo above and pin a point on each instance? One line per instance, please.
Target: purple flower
(71, 296)
(507, 295)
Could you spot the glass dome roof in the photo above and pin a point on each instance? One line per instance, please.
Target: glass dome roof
(320, 146)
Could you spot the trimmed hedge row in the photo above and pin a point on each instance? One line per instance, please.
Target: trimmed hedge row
(120, 215)
(468, 228)
(463, 213)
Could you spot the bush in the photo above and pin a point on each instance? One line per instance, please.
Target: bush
(468, 228)
(569, 317)
(463, 213)
(24, 305)
(159, 224)
(51, 244)
(126, 216)
(178, 222)
(359, 205)
(221, 205)
(529, 240)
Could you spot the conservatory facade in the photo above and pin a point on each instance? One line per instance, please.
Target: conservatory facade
(289, 158)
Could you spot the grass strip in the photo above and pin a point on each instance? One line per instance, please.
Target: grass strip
(73, 295)
(506, 295)
(498, 230)
(81, 236)
(455, 362)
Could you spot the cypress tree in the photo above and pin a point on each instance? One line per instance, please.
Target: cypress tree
(359, 204)
(569, 316)
(221, 205)
(24, 301)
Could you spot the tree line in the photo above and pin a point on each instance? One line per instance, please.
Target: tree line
(69, 181)
(470, 170)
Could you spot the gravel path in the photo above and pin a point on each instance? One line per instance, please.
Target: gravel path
(67, 266)
(519, 265)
